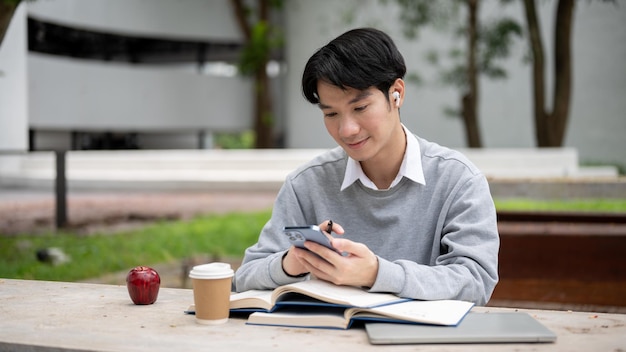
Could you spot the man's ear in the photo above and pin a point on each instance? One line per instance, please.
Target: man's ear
(397, 89)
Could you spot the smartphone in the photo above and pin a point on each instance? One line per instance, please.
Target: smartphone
(298, 234)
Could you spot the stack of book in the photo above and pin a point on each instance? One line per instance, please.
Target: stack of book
(319, 304)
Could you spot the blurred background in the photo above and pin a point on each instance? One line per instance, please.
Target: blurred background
(116, 114)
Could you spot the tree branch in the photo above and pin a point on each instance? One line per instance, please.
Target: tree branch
(240, 14)
(7, 8)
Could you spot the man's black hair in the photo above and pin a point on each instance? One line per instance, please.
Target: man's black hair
(359, 59)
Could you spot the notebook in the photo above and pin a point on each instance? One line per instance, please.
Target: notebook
(474, 328)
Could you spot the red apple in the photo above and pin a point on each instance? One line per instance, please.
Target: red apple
(143, 284)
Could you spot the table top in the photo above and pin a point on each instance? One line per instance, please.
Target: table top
(37, 315)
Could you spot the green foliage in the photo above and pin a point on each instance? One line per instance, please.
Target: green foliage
(494, 39)
(263, 39)
(256, 52)
(13, 3)
(432, 57)
(416, 14)
(495, 43)
(456, 75)
(92, 256)
(242, 140)
(414, 78)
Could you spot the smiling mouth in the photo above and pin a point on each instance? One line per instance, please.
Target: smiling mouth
(358, 144)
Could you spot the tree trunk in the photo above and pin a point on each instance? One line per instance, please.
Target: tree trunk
(562, 71)
(469, 102)
(536, 48)
(550, 127)
(6, 13)
(263, 117)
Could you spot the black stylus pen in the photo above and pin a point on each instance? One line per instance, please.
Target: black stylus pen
(329, 227)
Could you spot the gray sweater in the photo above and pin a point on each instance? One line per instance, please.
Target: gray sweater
(434, 241)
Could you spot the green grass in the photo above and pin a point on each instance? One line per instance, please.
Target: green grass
(223, 235)
(586, 205)
(94, 255)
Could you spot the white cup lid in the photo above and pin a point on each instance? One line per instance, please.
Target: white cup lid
(211, 271)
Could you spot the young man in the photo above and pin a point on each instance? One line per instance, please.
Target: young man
(413, 218)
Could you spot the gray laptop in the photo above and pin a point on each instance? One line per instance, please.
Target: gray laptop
(474, 328)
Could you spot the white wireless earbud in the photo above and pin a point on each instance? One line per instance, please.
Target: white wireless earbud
(396, 97)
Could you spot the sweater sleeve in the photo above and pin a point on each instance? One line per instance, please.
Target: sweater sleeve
(467, 265)
(261, 268)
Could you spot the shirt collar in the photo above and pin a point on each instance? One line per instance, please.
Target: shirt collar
(410, 168)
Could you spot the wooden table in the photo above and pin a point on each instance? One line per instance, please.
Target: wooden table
(43, 315)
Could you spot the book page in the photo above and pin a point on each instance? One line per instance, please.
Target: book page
(251, 299)
(345, 295)
(300, 319)
(443, 312)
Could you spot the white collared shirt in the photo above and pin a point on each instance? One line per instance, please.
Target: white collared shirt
(410, 168)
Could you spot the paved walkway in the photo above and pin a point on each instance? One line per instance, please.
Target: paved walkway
(28, 210)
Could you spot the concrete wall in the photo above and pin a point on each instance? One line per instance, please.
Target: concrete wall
(89, 95)
(13, 85)
(597, 121)
(190, 19)
(170, 102)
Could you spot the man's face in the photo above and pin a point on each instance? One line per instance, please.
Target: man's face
(363, 123)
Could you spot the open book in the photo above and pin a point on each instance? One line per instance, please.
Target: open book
(317, 303)
(310, 293)
(320, 304)
(442, 312)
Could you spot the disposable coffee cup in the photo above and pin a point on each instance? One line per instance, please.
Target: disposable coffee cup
(211, 292)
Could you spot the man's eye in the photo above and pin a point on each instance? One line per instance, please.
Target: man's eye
(360, 108)
(330, 114)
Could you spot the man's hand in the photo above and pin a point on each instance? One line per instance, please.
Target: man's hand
(291, 263)
(357, 267)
